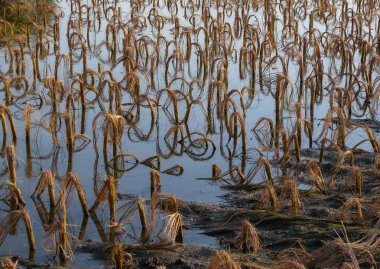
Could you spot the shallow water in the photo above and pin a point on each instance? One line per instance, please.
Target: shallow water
(191, 185)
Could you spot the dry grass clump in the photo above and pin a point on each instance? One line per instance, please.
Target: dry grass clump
(355, 178)
(314, 174)
(223, 259)
(269, 196)
(289, 190)
(377, 163)
(288, 265)
(8, 264)
(120, 258)
(349, 254)
(216, 171)
(57, 239)
(374, 210)
(61, 243)
(68, 182)
(127, 211)
(13, 195)
(250, 241)
(173, 229)
(168, 203)
(348, 205)
(46, 180)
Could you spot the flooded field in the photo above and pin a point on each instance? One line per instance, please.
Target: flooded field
(190, 134)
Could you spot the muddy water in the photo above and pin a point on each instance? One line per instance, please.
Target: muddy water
(91, 170)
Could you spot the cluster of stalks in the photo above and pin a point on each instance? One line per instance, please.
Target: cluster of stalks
(140, 78)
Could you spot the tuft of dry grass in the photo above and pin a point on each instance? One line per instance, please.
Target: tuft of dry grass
(288, 265)
(349, 254)
(69, 181)
(314, 174)
(120, 258)
(289, 190)
(216, 171)
(11, 162)
(8, 264)
(173, 229)
(250, 241)
(166, 202)
(348, 205)
(16, 198)
(269, 196)
(46, 180)
(374, 210)
(377, 164)
(355, 178)
(223, 260)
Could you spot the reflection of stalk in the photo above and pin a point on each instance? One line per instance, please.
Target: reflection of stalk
(69, 133)
(155, 181)
(11, 161)
(234, 118)
(112, 199)
(27, 123)
(63, 240)
(83, 121)
(28, 166)
(70, 141)
(83, 227)
(99, 227)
